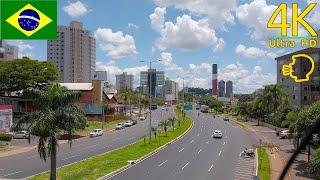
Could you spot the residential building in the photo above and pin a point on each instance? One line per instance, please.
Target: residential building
(124, 80)
(304, 93)
(214, 80)
(229, 89)
(100, 75)
(74, 53)
(222, 88)
(171, 90)
(8, 52)
(156, 79)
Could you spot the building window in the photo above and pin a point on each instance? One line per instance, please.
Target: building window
(306, 88)
(305, 98)
(313, 88)
(293, 97)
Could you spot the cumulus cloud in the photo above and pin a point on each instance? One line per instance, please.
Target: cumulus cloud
(246, 81)
(112, 68)
(220, 45)
(76, 9)
(186, 34)
(25, 49)
(157, 18)
(218, 12)
(168, 63)
(254, 52)
(133, 26)
(116, 45)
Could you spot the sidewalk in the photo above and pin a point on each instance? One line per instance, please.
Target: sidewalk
(280, 153)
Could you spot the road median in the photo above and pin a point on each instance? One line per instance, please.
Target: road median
(117, 160)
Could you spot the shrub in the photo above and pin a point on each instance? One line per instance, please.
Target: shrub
(314, 164)
(5, 137)
(273, 121)
(285, 124)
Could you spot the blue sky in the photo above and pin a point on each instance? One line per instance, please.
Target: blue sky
(188, 35)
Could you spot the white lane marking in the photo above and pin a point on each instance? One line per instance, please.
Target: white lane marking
(185, 165)
(191, 141)
(207, 142)
(181, 150)
(11, 174)
(220, 152)
(199, 151)
(162, 163)
(224, 143)
(198, 134)
(1, 169)
(210, 168)
(69, 157)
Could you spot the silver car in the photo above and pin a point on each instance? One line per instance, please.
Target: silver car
(21, 135)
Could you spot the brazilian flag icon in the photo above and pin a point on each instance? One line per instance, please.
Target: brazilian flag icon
(28, 19)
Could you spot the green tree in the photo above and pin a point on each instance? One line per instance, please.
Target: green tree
(314, 164)
(128, 96)
(212, 102)
(21, 74)
(172, 121)
(154, 130)
(55, 113)
(165, 124)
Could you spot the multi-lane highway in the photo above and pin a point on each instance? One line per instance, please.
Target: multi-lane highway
(197, 155)
(27, 164)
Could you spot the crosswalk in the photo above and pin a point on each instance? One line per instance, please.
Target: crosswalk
(244, 169)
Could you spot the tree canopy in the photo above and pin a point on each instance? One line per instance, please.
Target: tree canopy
(21, 74)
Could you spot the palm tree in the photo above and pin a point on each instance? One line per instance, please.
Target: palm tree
(128, 96)
(165, 123)
(172, 121)
(55, 113)
(154, 130)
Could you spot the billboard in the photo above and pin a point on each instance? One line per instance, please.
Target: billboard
(5, 118)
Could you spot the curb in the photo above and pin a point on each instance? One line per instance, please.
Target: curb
(116, 172)
(257, 161)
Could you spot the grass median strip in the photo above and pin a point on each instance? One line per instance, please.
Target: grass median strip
(264, 165)
(103, 164)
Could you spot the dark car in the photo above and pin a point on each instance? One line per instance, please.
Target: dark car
(134, 122)
(226, 119)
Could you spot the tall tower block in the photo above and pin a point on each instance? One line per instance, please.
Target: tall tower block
(214, 80)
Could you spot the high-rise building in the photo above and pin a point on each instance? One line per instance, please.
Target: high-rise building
(74, 53)
(306, 93)
(124, 80)
(156, 79)
(229, 89)
(8, 52)
(222, 88)
(214, 79)
(171, 90)
(100, 76)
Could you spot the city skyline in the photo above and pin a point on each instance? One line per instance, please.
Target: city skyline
(140, 34)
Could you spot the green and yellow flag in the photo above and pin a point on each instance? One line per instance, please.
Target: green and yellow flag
(28, 19)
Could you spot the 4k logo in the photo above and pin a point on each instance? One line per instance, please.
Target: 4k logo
(296, 19)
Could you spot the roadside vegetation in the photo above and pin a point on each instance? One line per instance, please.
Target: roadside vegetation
(271, 105)
(264, 165)
(98, 166)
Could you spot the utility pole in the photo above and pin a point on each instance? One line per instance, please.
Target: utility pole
(150, 79)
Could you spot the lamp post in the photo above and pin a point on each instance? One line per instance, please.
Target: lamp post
(150, 93)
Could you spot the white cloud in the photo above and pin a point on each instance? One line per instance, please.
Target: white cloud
(254, 52)
(220, 45)
(76, 9)
(244, 80)
(25, 49)
(186, 34)
(131, 25)
(218, 12)
(116, 45)
(202, 68)
(157, 18)
(112, 68)
(168, 63)
(256, 14)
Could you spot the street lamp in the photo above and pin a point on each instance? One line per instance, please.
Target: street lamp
(150, 79)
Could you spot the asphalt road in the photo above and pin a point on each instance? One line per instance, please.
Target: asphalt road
(26, 164)
(196, 156)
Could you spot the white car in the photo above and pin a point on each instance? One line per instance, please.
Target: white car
(142, 118)
(96, 133)
(119, 126)
(217, 134)
(284, 134)
(128, 123)
(21, 135)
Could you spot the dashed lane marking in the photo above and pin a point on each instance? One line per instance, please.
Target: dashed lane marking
(162, 163)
